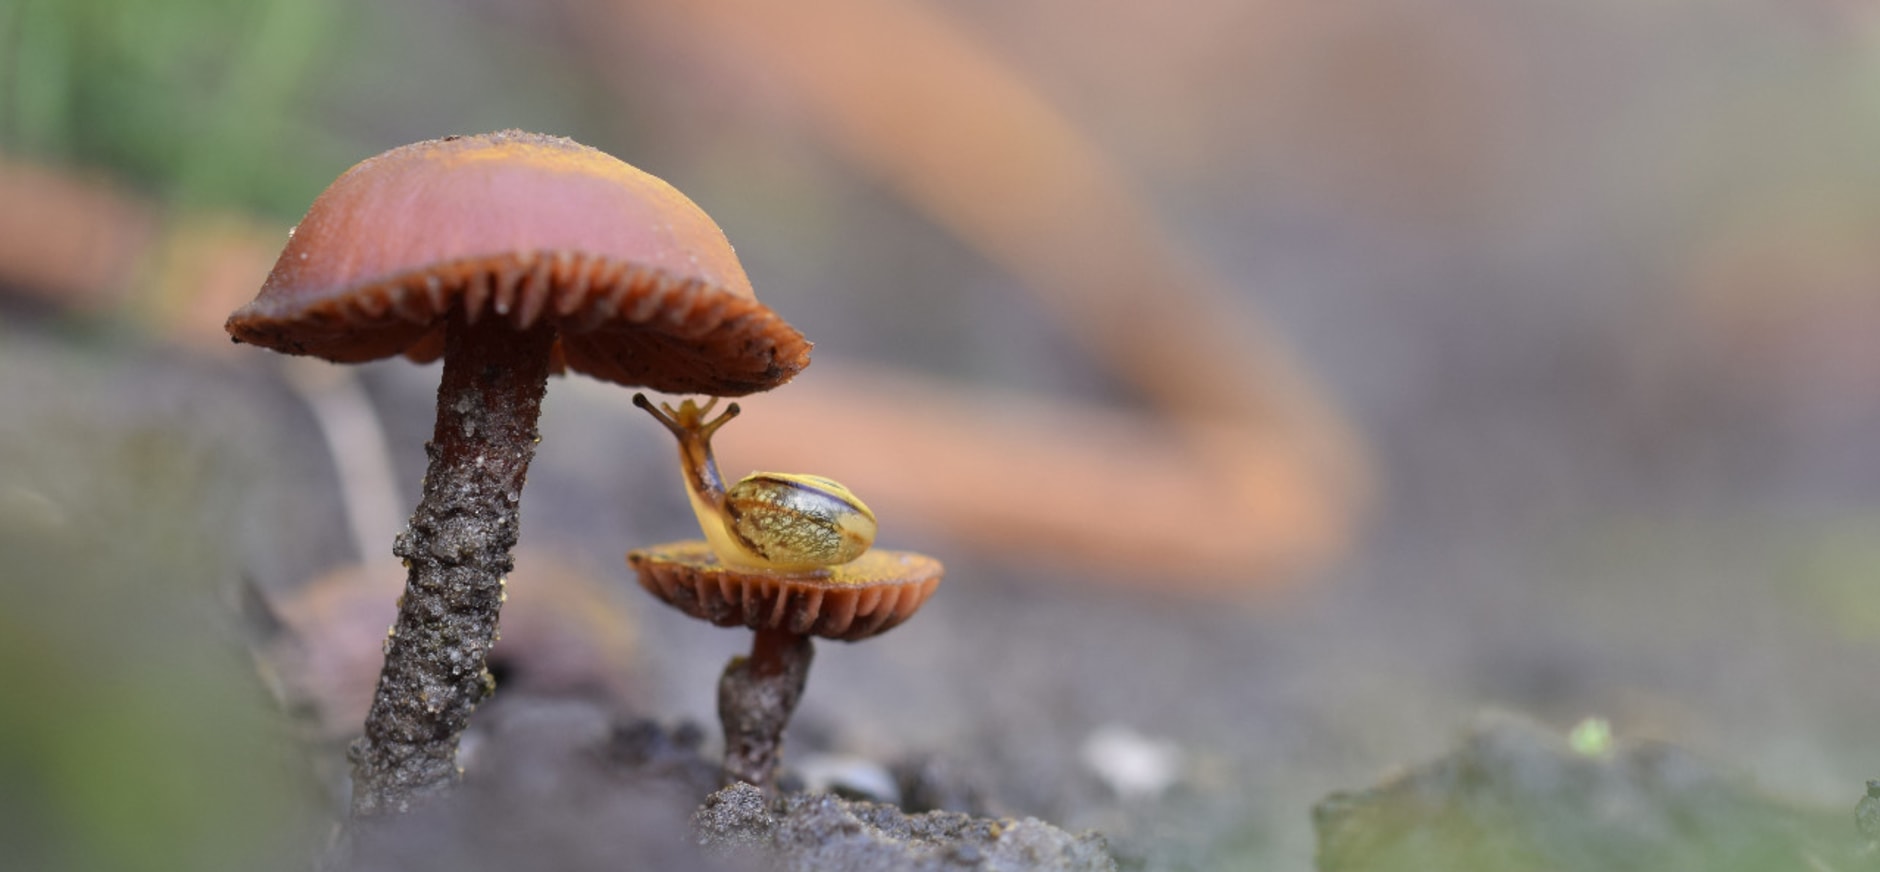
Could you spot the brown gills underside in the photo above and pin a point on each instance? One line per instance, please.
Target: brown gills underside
(617, 321)
(849, 602)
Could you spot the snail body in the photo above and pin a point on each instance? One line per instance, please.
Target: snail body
(780, 521)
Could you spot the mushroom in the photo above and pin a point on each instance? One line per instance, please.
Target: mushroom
(319, 648)
(763, 565)
(509, 255)
(758, 693)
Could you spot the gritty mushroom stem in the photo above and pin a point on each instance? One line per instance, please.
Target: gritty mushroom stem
(457, 551)
(756, 696)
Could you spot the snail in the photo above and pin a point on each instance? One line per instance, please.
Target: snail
(768, 520)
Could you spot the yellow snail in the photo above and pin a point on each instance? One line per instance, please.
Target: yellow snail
(768, 520)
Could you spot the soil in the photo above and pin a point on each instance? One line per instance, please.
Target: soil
(564, 784)
(819, 831)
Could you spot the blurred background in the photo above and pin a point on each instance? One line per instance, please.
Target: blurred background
(1282, 384)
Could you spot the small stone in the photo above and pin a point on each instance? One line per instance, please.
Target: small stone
(1132, 765)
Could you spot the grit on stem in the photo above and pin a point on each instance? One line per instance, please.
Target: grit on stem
(457, 549)
(756, 696)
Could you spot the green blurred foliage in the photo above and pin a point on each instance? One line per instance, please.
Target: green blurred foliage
(257, 104)
(184, 96)
(134, 734)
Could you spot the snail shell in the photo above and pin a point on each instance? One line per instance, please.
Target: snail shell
(795, 521)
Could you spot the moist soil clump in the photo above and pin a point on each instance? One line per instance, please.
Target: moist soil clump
(817, 831)
(569, 785)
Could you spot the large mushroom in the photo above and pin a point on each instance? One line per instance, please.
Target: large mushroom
(509, 255)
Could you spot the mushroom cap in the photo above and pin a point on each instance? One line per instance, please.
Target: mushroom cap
(569, 634)
(855, 600)
(641, 285)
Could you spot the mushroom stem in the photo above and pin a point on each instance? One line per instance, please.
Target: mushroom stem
(457, 551)
(756, 696)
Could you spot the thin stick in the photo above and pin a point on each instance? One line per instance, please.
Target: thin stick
(355, 438)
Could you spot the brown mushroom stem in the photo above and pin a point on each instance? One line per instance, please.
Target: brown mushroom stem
(457, 551)
(756, 696)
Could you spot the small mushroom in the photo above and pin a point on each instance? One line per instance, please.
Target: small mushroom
(509, 255)
(765, 574)
(758, 693)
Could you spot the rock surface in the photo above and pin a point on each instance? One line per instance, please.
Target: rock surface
(1515, 796)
